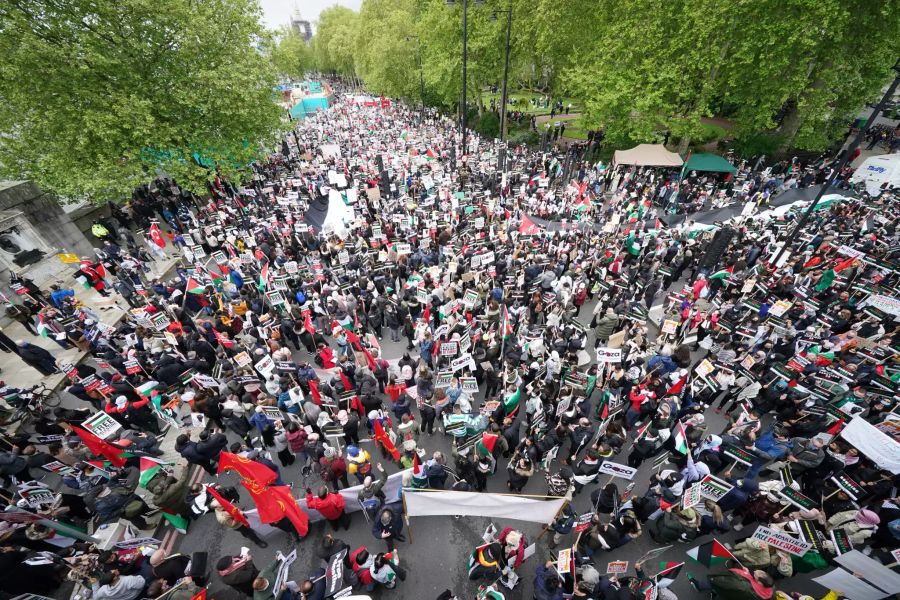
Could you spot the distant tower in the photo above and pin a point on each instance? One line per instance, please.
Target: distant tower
(301, 26)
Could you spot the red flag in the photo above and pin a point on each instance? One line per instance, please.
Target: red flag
(275, 503)
(246, 468)
(426, 316)
(201, 595)
(417, 468)
(844, 264)
(157, 236)
(308, 324)
(368, 356)
(100, 447)
(528, 227)
(230, 508)
(314, 390)
(345, 381)
(382, 438)
(663, 505)
(226, 343)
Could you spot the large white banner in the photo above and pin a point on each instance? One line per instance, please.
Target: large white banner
(878, 446)
(422, 503)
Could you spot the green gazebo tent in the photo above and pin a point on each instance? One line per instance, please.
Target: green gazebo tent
(708, 163)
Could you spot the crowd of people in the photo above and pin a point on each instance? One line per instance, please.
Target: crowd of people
(534, 354)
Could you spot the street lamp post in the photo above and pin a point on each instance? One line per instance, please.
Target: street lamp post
(801, 222)
(503, 97)
(465, 57)
(421, 77)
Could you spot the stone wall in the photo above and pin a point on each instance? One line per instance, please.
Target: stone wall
(40, 226)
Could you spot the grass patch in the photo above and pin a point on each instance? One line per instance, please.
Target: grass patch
(523, 102)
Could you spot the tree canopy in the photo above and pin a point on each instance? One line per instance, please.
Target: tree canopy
(95, 97)
(798, 69)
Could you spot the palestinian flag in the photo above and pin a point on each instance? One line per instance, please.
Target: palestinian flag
(677, 387)
(710, 554)
(146, 389)
(349, 326)
(42, 326)
(194, 287)
(263, 277)
(346, 322)
(403, 134)
(681, 439)
(507, 328)
(201, 595)
(668, 573)
(511, 404)
(604, 402)
(149, 468)
(487, 443)
(663, 505)
(177, 521)
(430, 155)
(157, 236)
(723, 273)
(641, 431)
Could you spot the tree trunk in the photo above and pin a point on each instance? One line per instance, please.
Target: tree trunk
(683, 144)
(790, 125)
(792, 121)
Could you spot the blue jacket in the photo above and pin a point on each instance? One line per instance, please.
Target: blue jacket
(769, 446)
(57, 297)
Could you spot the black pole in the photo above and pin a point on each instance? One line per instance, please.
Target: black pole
(421, 76)
(505, 74)
(465, 10)
(846, 159)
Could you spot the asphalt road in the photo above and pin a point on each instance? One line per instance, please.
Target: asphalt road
(437, 548)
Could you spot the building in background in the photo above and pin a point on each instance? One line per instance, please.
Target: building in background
(301, 26)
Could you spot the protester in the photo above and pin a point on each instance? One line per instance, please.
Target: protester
(580, 349)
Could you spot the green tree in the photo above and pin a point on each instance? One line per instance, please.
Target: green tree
(290, 54)
(96, 96)
(386, 46)
(333, 44)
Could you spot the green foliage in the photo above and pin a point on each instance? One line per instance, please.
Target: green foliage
(95, 96)
(757, 144)
(488, 125)
(291, 55)
(523, 135)
(333, 45)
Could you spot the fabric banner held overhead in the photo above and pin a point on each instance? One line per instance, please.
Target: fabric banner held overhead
(475, 504)
(877, 446)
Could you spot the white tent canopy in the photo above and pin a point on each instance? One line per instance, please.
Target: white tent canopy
(648, 155)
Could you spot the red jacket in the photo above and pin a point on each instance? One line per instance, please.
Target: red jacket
(365, 577)
(331, 507)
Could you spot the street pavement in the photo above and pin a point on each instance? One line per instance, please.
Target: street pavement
(437, 548)
(16, 373)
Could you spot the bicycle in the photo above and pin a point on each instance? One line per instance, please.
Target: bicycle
(30, 403)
